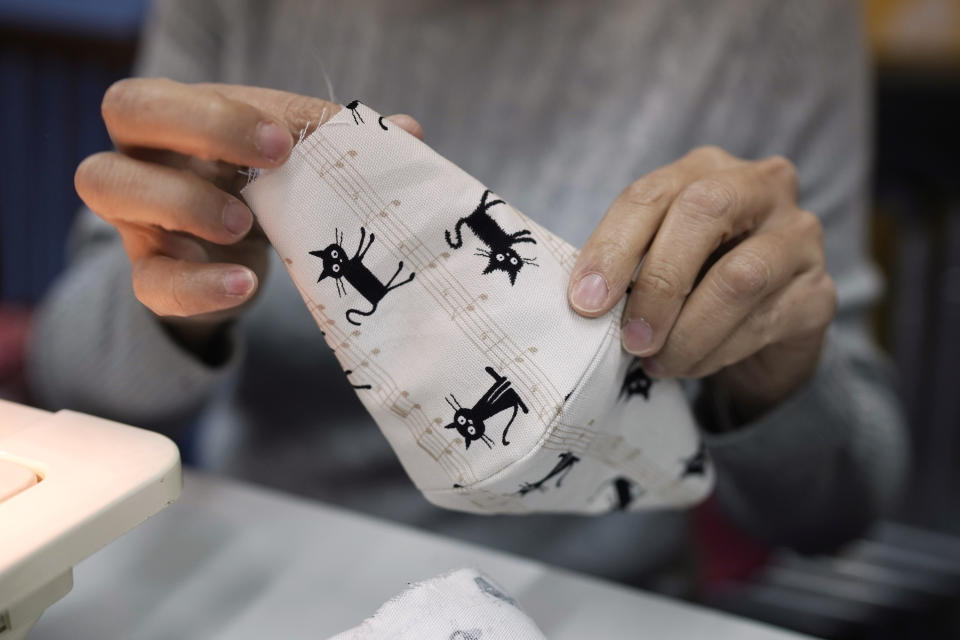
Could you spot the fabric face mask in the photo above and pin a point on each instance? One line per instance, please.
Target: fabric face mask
(448, 311)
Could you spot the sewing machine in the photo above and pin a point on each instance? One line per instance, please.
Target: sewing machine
(69, 484)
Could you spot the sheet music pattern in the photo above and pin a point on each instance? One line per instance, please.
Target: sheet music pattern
(603, 452)
(335, 167)
(446, 451)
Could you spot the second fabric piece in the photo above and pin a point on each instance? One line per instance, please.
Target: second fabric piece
(447, 309)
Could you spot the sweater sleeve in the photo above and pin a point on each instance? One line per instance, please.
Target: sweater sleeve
(818, 469)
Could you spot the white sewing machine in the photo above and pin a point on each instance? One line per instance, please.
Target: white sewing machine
(69, 484)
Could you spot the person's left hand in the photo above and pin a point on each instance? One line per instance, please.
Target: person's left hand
(732, 280)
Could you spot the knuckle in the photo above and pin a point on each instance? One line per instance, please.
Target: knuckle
(707, 198)
(118, 98)
(299, 110)
(763, 324)
(783, 168)
(216, 114)
(96, 176)
(661, 280)
(142, 289)
(810, 225)
(650, 192)
(710, 154)
(743, 276)
(828, 290)
(607, 251)
(86, 178)
(177, 286)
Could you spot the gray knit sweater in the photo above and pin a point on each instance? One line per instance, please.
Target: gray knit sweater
(556, 106)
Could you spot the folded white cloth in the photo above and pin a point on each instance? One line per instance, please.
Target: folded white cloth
(462, 605)
(447, 309)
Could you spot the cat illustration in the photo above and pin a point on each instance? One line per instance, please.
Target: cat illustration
(348, 373)
(352, 106)
(357, 118)
(499, 250)
(560, 471)
(625, 491)
(695, 465)
(471, 423)
(636, 382)
(338, 266)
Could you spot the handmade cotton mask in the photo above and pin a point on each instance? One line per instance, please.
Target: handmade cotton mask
(448, 311)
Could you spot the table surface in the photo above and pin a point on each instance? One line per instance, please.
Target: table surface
(235, 561)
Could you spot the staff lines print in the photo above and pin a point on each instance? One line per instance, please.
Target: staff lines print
(600, 446)
(486, 499)
(444, 452)
(565, 254)
(452, 284)
(351, 194)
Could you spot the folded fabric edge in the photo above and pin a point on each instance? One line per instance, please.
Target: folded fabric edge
(254, 173)
(460, 494)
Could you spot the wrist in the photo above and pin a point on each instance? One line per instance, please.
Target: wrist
(208, 341)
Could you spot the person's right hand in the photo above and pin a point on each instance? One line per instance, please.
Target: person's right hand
(172, 188)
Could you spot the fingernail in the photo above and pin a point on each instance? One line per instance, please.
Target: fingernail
(237, 218)
(637, 336)
(238, 283)
(273, 142)
(590, 293)
(651, 366)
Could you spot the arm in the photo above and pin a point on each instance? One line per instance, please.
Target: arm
(171, 193)
(739, 286)
(832, 457)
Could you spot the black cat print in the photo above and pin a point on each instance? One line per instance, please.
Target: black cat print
(358, 119)
(636, 382)
(696, 464)
(559, 471)
(339, 267)
(484, 324)
(470, 422)
(498, 249)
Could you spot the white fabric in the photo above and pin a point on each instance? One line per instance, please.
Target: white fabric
(462, 605)
(361, 201)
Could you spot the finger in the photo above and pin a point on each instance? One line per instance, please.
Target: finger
(731, 292)
(707, 213)
(610, 257)
(179, 288)
(204, 120)
(120, 188)
(301, 114)
(408, 124)
(806, 307)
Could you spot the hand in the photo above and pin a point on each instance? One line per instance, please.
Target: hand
(172, 189)
(732, 283)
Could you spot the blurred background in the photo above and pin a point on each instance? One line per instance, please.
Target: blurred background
(58, 56)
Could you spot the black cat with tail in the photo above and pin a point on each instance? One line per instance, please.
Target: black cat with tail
(499, 253)
(338, 266)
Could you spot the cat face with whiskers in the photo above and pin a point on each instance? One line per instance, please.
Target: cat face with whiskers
(466, 424)
(333, 258)
(334, 261)
(507, 260)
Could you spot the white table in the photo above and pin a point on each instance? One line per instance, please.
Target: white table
(231, 561)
